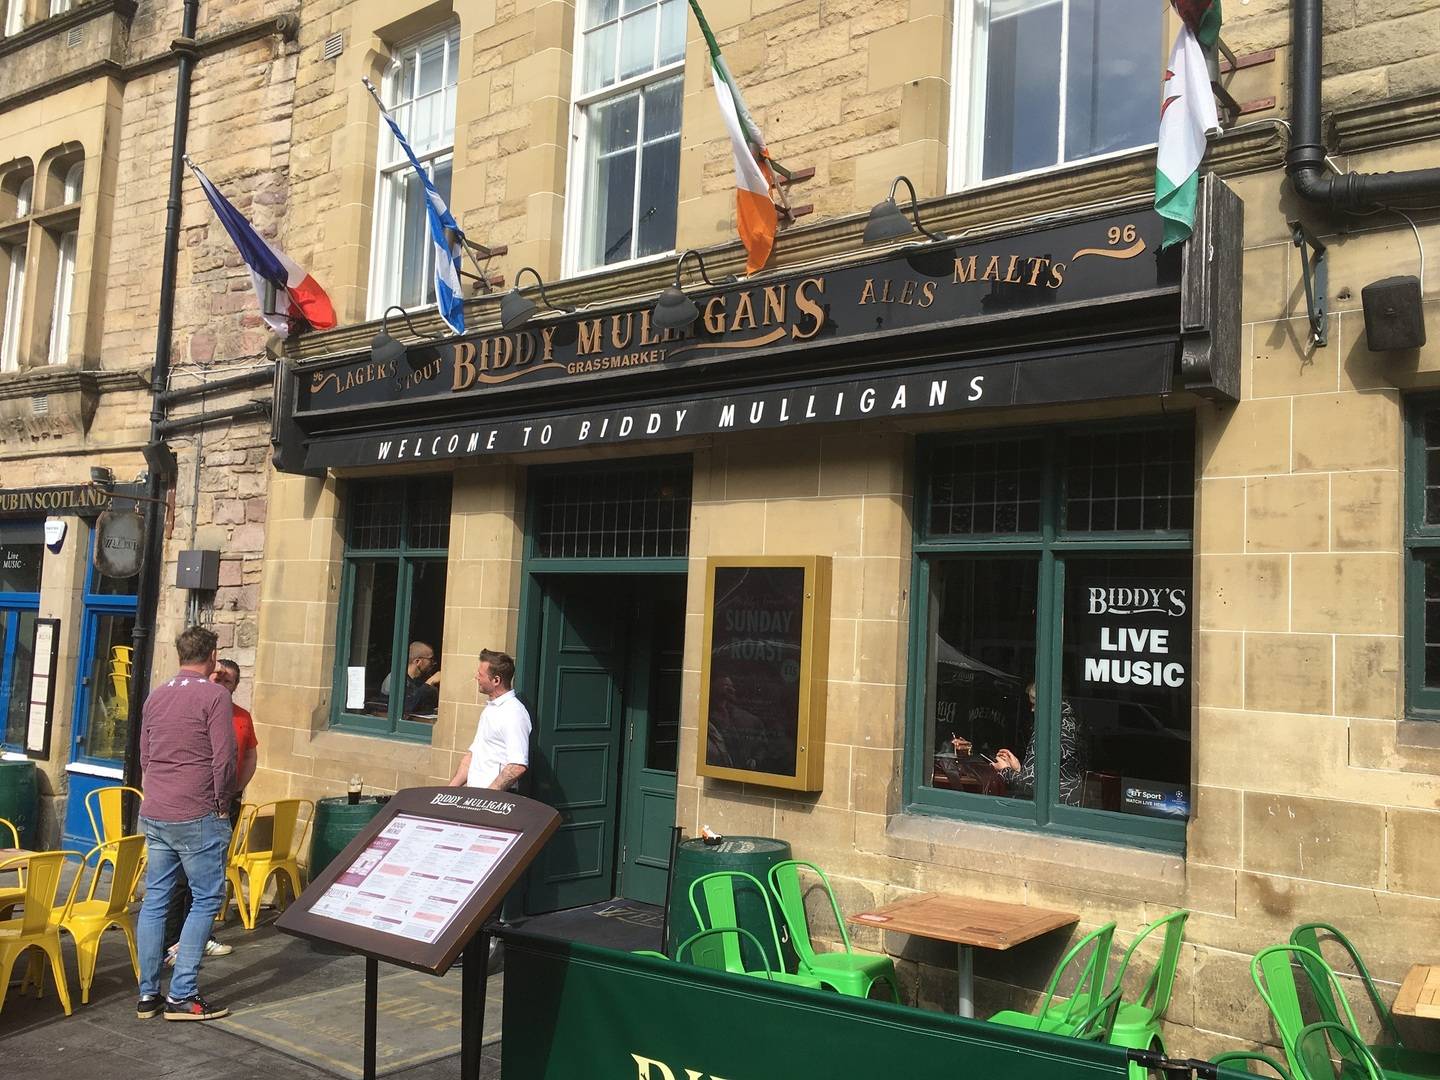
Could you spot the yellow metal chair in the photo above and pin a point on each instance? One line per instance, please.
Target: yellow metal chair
(87, 920)
(38, 925)
(281, 859)
(106, 807)
(12, 894)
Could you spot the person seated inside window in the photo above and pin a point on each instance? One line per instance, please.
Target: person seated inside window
(422, 680)
(1074, 757)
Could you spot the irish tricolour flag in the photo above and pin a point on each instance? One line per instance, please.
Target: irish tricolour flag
(1187, 113)
(754, 211)
(290, 299)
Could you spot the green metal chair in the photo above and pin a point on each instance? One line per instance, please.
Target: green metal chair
(1241, 1059)
(850, 972)
(719, 914)
(1273, 972)
(1089, 1012)
(1328, 993)
(650, 953)
(1308, 935)
(1395, 1056)
(711, 949)
(1137, 1025)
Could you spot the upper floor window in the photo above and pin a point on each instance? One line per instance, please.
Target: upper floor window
(59, 7)
(65, 245)
(627, 131)
(25, 197)
(73, 183)
(14, 16)
(1045, 82)
(419, 89)
(12, 265)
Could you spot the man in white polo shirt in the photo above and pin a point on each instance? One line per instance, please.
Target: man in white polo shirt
(500, 752)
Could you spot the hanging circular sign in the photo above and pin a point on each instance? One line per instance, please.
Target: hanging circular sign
(119, 543)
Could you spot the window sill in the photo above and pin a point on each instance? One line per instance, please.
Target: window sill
(1037, 857)
(378, 753)
(1418, 733)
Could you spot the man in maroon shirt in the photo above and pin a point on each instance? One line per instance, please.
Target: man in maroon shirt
(187, 762)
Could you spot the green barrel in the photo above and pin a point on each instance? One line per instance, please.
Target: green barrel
(19, 801)
(753, 855)
(336, 824)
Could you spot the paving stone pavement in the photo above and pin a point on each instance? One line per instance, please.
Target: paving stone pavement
(104, 1039)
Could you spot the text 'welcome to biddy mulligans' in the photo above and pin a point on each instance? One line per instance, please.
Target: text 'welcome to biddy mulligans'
(908, 395)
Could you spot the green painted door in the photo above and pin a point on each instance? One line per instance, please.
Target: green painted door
(579, 729)
(652, 733)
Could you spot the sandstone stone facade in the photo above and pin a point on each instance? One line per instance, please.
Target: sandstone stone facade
(99, 83)
(1314, 793)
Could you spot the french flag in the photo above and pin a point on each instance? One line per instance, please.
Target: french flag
(290, 299)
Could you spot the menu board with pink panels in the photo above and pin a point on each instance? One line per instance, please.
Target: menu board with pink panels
(415, 876)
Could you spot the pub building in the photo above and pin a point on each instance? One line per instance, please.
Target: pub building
(975, 545)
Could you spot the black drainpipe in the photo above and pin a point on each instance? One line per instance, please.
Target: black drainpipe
(1305, 160)
(148, 587)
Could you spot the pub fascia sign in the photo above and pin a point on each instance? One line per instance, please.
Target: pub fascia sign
(912, 291)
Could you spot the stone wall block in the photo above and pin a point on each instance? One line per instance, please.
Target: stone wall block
(1289, 672)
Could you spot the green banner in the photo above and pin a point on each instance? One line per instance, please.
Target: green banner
(575, 1011)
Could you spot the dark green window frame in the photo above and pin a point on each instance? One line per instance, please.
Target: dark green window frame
(1052, 543)
(406, 556)
(1422, 548)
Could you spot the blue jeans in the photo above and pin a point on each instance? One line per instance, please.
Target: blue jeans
(178, 851)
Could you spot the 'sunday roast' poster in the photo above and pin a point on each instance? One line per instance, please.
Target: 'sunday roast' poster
(755, 652)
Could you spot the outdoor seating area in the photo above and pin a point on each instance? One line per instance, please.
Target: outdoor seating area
(46, 896)
(1085, 997)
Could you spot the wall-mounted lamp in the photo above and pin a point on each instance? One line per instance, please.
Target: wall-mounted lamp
(674, 310)
(102, 478)
(516, 310)
(887, 222)
(384, 349)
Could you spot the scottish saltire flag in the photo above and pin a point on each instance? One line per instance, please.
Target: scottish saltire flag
(445, 232)
(298, 298)
(755, 216)
(1187, 114)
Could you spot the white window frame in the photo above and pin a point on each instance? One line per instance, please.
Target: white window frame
(969, 74)
(575, 208)
(59, 7)
(10, 321)
(14, 17)
(74, 183)
(385, 261)
(64, 296)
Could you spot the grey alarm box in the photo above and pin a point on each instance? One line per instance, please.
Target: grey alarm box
(199, 569)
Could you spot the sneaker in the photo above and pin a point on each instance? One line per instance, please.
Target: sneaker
(147, 1007)
(193, 1008)
(218, 948)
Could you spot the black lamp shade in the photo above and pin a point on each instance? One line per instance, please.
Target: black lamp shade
(674, 310)
(515, 310)
(887, 223)
(384, 349)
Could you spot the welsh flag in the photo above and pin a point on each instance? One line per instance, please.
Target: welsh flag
(754, 211)
(1187, 113)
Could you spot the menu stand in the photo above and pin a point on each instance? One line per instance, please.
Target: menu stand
(409, 913)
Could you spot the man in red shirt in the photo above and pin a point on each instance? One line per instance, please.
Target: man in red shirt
(227, 674)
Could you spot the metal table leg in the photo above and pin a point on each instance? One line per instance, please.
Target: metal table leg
(967, 981)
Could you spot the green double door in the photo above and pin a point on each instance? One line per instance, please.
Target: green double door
(607, 724)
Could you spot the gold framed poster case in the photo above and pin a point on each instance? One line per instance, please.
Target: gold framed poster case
(763, 670)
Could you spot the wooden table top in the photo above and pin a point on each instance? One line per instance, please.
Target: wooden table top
(990, 924)
(1420, 993)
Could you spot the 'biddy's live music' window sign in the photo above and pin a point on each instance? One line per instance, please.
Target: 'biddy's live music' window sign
(1126, 680)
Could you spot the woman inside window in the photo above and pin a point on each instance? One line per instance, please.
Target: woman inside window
(1020, 775)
